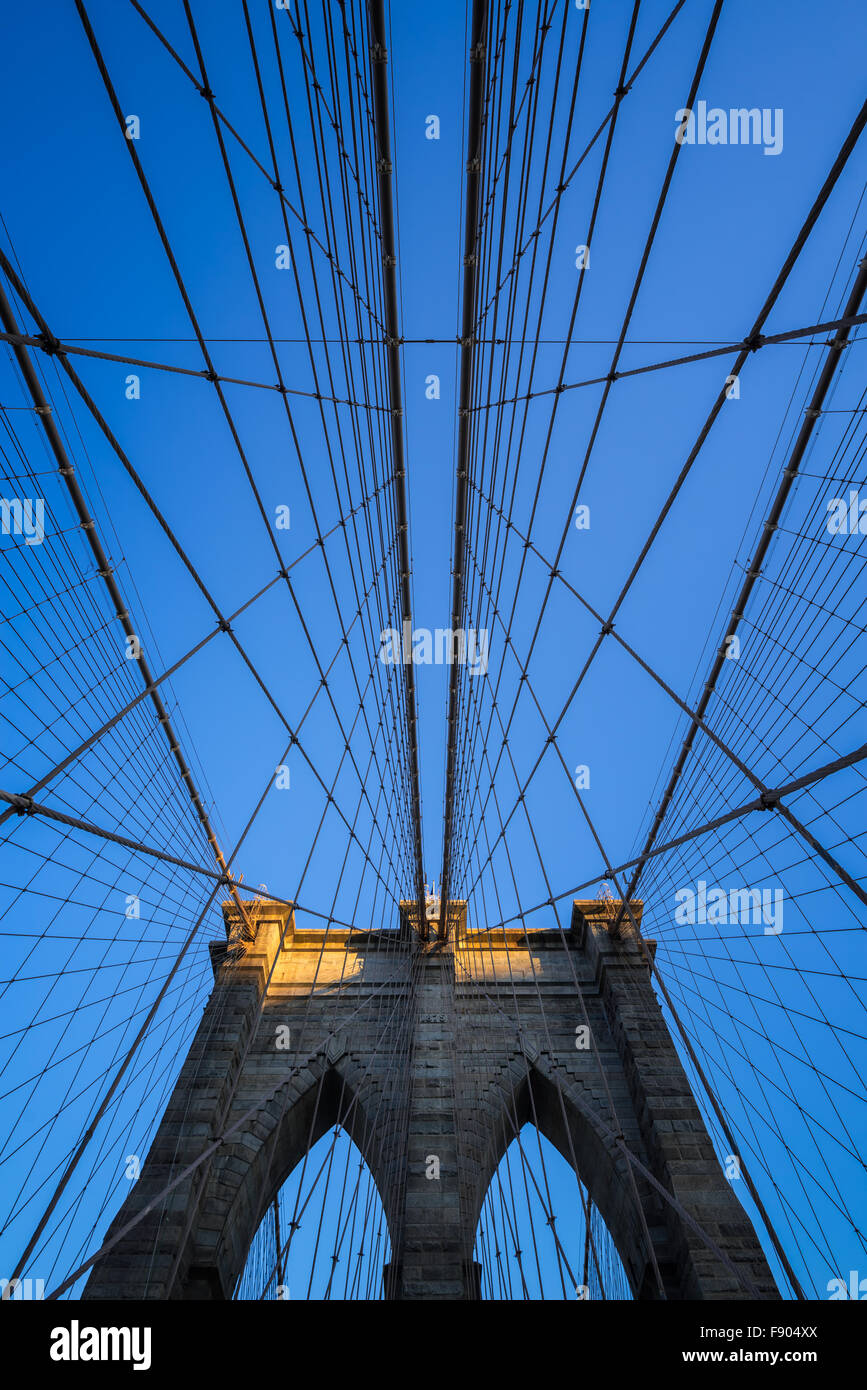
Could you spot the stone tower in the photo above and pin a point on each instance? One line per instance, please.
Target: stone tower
(427, 1044)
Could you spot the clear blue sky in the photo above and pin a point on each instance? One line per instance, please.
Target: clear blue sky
(76, 221)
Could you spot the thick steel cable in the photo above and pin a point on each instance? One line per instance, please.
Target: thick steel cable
(106, 573)
(478, 40)
(812, 414)
(379, 79)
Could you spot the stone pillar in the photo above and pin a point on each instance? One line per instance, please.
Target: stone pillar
(432, 1054)
(432, 1260)
(156, 1259)
(674, 1137)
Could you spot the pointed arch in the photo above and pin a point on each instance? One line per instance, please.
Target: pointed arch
(325, 1236)
(251, 1171)
(531, 1100)
(539, 1234)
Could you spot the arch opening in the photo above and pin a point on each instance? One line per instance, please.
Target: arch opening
(325, 1234)
(534, 1239)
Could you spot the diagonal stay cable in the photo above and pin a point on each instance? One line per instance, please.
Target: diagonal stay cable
(617, 1142)
(107, 1098)
(21, 291)
(182, 289)
(812, 414)
(760, 341)
(566, 179)
(170, 671)
(88, 525)
(475, 123)
(696, 716)
(651, 962)
(202, 373)
(759, 803)
(620, 93)
(209, 1151)
(275, 184)
(776, 289)
(379, 60)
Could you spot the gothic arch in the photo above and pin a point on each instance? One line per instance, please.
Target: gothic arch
(252, 1168)
(532, 1098)
(521, 1253)
(605, 1175)
(428, 1063)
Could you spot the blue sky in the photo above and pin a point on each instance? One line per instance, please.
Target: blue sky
(75, 220)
